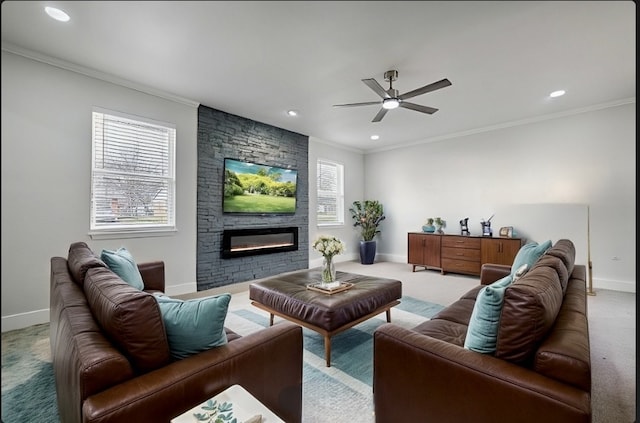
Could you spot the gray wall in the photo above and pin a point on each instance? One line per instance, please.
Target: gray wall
(222, 135)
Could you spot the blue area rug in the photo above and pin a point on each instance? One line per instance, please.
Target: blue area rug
(341, 392)
(28, 386)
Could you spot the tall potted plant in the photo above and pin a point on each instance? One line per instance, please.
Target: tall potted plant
(367, 215)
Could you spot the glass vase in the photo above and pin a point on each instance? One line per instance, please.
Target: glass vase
(328, 270)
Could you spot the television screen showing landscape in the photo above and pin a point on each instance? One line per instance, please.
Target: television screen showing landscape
(254, 188)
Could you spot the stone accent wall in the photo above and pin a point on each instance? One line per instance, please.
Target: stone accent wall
(222, 135)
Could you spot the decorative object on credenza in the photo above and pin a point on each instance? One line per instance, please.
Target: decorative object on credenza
(440, 224)
(367, 214)
(464, 226)
(486, 226)
(506, 231)
(328, 246)
(428, 226)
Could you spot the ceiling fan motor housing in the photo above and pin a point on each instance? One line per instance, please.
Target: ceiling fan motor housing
(391, 75)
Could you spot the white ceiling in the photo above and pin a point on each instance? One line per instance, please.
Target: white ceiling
(259, 59)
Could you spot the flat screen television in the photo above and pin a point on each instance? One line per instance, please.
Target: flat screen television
(255, 188)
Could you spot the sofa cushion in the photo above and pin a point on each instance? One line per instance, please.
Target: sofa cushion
(556, 264)
(459, 311)
(565, 250)
(444, 330)
(194, 325)
(81, 259)
(485, 317)
(565, 354)
(529, 254)
(122, 263)
(530, 307)
(129, 317)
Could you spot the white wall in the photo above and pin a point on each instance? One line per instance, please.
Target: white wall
(584, 159)
(353, 162)
(46, 165)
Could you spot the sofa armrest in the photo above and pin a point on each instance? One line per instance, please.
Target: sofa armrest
(152, 275)
(490, 272)
(416, 375)
(267, 363)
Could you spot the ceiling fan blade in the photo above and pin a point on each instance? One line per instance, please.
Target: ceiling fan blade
(380, 115)
(418, 108)
(373, 84)
(368, 103)
(427, 88)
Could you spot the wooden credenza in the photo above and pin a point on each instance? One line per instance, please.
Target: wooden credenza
(458, 253)
(424, 250)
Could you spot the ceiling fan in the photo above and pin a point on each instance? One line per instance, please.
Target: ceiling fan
(391, 99)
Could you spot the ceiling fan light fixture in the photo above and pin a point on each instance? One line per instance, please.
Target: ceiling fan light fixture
(390, 103)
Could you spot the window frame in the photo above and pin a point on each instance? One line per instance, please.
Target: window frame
(166, 179)
(338, 194)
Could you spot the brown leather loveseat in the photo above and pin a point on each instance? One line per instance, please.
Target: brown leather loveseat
(540, 371)
(111, 357)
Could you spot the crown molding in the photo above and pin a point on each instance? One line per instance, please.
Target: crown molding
(511, 124)
(93, 73)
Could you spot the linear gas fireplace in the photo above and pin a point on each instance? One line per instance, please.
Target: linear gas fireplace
(249, 242)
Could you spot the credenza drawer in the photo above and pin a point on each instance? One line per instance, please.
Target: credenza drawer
(461, 266)
(461, 254)
(461, 242)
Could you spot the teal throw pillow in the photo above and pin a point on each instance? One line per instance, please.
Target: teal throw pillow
(482, 333)
(194, 325)
(529, 254)
(121, 262)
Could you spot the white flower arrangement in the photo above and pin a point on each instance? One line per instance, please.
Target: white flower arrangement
(328, 246)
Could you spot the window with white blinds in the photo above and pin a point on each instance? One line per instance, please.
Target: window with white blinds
(330, 192)
(132, 174)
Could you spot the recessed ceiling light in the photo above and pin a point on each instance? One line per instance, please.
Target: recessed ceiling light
(375, 137)
(292, 113)
(57, 14)
(558, 93)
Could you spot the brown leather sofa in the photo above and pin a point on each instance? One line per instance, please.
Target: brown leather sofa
(540, 372)
(111, 357)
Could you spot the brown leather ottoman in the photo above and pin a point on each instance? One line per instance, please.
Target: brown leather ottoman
(286, 295)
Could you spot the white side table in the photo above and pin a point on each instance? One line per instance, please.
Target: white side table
(235, 401)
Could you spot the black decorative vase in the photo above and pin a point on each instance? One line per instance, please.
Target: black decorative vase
(367, 252)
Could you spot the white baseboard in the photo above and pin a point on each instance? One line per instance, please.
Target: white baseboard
(185, 288)
(614, 285)
(23, 320)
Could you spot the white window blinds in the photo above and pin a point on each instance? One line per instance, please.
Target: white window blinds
(330, 193)
(132, 174)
